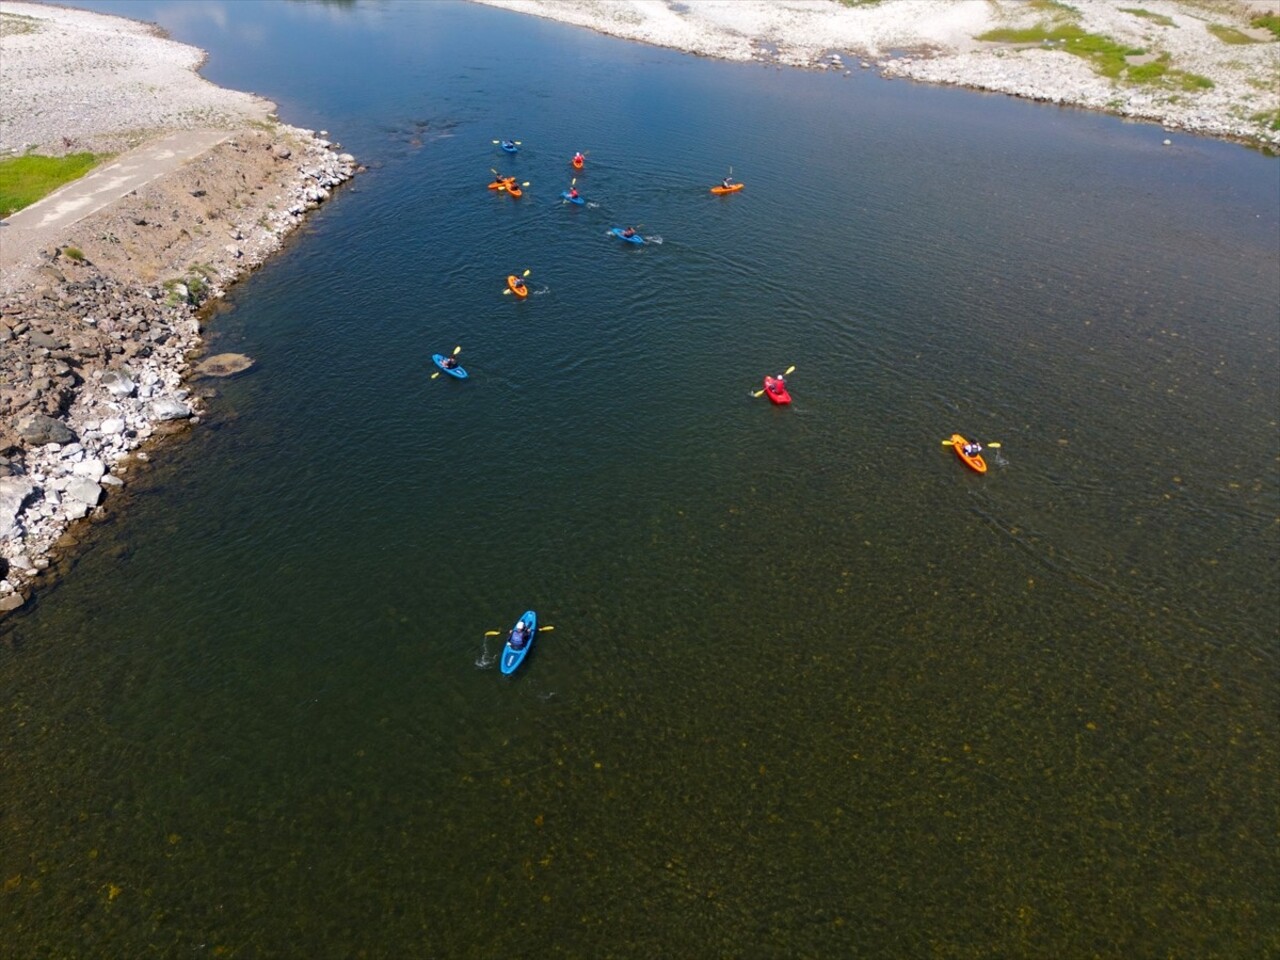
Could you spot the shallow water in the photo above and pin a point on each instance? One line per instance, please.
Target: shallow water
(814, 689)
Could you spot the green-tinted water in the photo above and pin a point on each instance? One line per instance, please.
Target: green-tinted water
(814, 690)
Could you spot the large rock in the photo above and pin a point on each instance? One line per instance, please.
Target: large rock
(166, 408)
(224, 365)
(84, 490)
(14, 492)
(93, 469)
(118, 383)
(38, 429)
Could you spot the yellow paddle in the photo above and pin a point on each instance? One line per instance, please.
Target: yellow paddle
(500, 633)
(993, 444)
(786, 373)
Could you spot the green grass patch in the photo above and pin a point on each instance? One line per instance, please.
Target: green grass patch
(1159, 18)
(1270, 120)
(1106, 56)
(24, 180)
(1268, 21)
(1230, 34)
(73, 253)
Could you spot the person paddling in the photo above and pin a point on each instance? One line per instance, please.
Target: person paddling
(519, 636)
(629, 232)
(972, 449)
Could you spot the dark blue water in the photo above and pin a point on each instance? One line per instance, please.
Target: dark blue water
(813, 689)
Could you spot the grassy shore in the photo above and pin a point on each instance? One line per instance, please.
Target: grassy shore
(24, 180)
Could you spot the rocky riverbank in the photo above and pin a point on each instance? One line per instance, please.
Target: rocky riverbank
(100, 320)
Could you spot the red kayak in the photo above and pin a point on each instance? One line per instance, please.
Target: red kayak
(776, 390)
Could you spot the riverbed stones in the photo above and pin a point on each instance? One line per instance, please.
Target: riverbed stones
(14, 493)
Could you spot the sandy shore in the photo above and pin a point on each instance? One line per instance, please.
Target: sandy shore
(935, 41)
(100, 312)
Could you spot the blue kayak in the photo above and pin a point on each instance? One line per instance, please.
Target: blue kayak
(578, 200)
(438, 360)
(634, 238)
(511, 657)
(509, 146)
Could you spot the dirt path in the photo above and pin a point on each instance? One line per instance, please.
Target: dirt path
(41, 225)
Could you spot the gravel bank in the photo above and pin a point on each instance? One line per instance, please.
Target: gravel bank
(941, 37)
(100, 319)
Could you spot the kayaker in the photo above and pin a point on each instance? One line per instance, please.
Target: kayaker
(972, 449)
(573, 193)
(728, 182)
(629, 232)
(449, 363)
(579, 158)
(517, 283)
(519, 636)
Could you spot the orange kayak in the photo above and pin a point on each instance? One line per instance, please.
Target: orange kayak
(522, 290)
(733, 189)
(577, 163)
(974, 462)
(502, 183)
(514, 190)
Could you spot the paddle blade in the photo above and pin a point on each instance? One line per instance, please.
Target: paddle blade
(789, 371)
(758, 393)
(436, 374)
(506, 291)
(518, 143)
(525, 184)
(529, 271)
(544, 629)
(493, 633)
(457, 350)
(994, 445)
(946, 443)
(573, 182)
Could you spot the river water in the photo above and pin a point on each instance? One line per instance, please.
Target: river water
(814, 689)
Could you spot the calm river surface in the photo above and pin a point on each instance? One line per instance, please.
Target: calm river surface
(814, 688)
